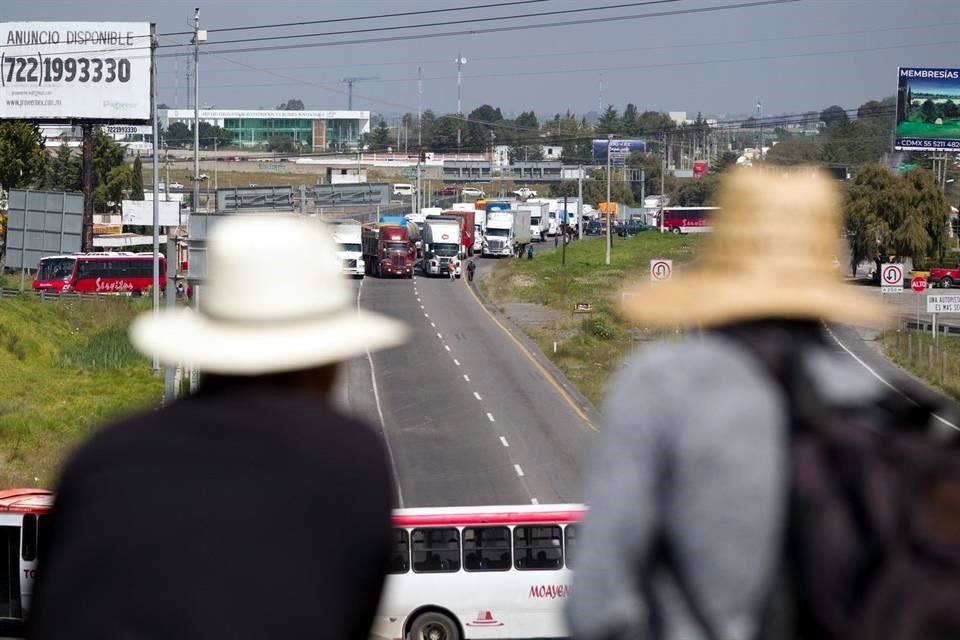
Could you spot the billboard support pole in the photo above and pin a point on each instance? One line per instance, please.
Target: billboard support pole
(609, 219)
(196, 110)
(86, 243)
(156, 184)
(580, 202)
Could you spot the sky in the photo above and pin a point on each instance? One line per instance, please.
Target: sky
(791, 57)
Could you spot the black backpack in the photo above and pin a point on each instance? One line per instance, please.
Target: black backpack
(872, 544)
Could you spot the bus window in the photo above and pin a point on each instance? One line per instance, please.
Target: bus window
(571, 532)
(29, 537)
(400, 552)
(436, 550)
(486, 549)
(10, 572)
(538, 547)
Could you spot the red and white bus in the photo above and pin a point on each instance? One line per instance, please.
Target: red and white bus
(120, 272)
(687, 219)
(22, 527)
(479, 572)
(455, 573)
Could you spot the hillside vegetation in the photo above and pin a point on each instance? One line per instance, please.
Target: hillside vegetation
(67, 367)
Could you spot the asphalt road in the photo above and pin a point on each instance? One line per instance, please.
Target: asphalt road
(468, 416)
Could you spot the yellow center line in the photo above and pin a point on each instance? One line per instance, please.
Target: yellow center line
(546, 375)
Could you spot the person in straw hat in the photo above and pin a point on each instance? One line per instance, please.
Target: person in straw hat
(693, 444)
(252, 509)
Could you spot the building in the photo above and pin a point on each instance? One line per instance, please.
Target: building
(316, 130)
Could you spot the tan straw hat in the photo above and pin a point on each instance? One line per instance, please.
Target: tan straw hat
(275, 300)
(769, 256)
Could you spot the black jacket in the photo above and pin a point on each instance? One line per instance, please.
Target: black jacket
(230, 514)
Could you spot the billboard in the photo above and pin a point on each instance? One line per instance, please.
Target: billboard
(42, 223)
(140, 213)
(620, 150)
(928, 109)
(75, 70)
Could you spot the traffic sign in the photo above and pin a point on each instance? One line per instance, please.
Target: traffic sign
(891, 278)
(943, 304)
(919, 284)
(661, 270)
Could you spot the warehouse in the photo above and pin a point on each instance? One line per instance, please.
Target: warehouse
(316, 131)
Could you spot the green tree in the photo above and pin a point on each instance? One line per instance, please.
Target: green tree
(526, 138)
(64, 171)
(950, 109)
(725, 161)
(443, 133)
(595, 189)
(179, 135)
(136, 179)
(834, 115)
(281, 144)
(291, 105)
(695, 193)
(793, 152)
(928, 111)
(213, 136)
(930, 205)
(111, 176)
(23, 159)
(476, 133)
(609, 122)
(630, 123)
(380, 138)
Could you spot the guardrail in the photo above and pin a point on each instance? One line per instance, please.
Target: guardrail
(54, 296)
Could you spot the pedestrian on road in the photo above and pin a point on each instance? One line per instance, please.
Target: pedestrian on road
(556, 240)
(687, 492)
(211, 518)
(471, 268)
(529, 252)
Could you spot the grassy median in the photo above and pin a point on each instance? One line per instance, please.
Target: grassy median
(936, 362)
(68, 367)
(589, 346)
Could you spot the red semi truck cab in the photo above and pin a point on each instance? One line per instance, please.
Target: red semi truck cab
(467, 230)
(387, 250)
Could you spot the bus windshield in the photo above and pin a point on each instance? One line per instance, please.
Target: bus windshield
(56, 268)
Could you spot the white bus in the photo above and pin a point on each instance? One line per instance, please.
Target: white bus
(23, 521)
(479, 572)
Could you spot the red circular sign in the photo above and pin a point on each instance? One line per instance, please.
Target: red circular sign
(919, 284)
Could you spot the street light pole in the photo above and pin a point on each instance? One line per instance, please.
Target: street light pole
(196, 110)
(609, 219)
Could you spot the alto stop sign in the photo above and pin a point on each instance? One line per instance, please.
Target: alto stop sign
(919, 284)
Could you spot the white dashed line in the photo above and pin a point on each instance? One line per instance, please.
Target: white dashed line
(504, 442)
(490, 417)
(477, 396)
(440, 336)
(466, 377)
(534, 501)
(456, 362)
(518, 470)
(421, 306)
(426, 315)
(447, 347)
(433, 324)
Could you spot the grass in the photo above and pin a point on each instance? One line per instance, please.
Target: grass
(949, 129)
(12, 281)
(589, 347)
(936, 363)
(68, 368)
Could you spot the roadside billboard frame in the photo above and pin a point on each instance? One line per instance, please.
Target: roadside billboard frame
(939, 85)
(620, 150)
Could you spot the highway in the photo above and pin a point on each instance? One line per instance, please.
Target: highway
(468, 416)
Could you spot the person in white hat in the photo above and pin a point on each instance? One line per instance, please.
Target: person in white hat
(252, 509)
(693, 446)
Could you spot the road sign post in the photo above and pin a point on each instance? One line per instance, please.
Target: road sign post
(918, 284)
(891, 278)
(661, 270)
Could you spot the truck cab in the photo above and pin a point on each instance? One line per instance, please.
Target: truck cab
(347, 235)
(387, 250)
(442, 245)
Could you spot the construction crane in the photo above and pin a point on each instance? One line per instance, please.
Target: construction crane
(350, 82)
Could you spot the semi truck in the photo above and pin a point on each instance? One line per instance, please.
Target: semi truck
(539, 219)
(348, 236)
(507, 233)
(387, 250)
(441, 246)
(468, 230)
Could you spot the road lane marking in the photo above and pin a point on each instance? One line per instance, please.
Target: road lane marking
(466, 377)
(546, 375)
(504, 441)
(876, 375)
(534, 501)
(447, 347)
(456, 362)
(440, 336)
(421, 306)
(518, 470)
(477, 396)
(490, 417)
(426, 315)
(383, 423)
(433, 324)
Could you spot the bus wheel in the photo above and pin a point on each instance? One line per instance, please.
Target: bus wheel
(676, 230)
(434, 626)
(136, 293)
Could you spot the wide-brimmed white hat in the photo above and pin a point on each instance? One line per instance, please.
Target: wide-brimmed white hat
(769, 256)
(274, 301)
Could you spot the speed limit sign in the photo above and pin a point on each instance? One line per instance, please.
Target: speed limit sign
(891, 278)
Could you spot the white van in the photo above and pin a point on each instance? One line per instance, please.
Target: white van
(404, 189)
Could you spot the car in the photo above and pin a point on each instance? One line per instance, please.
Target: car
(523, 193)
(446, 191)
(472, 192)
(594, 228)
(404, 189)
(176, 185)
(630, 228)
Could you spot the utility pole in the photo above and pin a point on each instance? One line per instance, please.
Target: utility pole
(156, 185)
(87, 240)
(419, 134)
(563, 251)
(460, 62)
(609, 219)
(580, 202)
(198, 37)
(350, 82)
(663, 177)
(760, 136)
